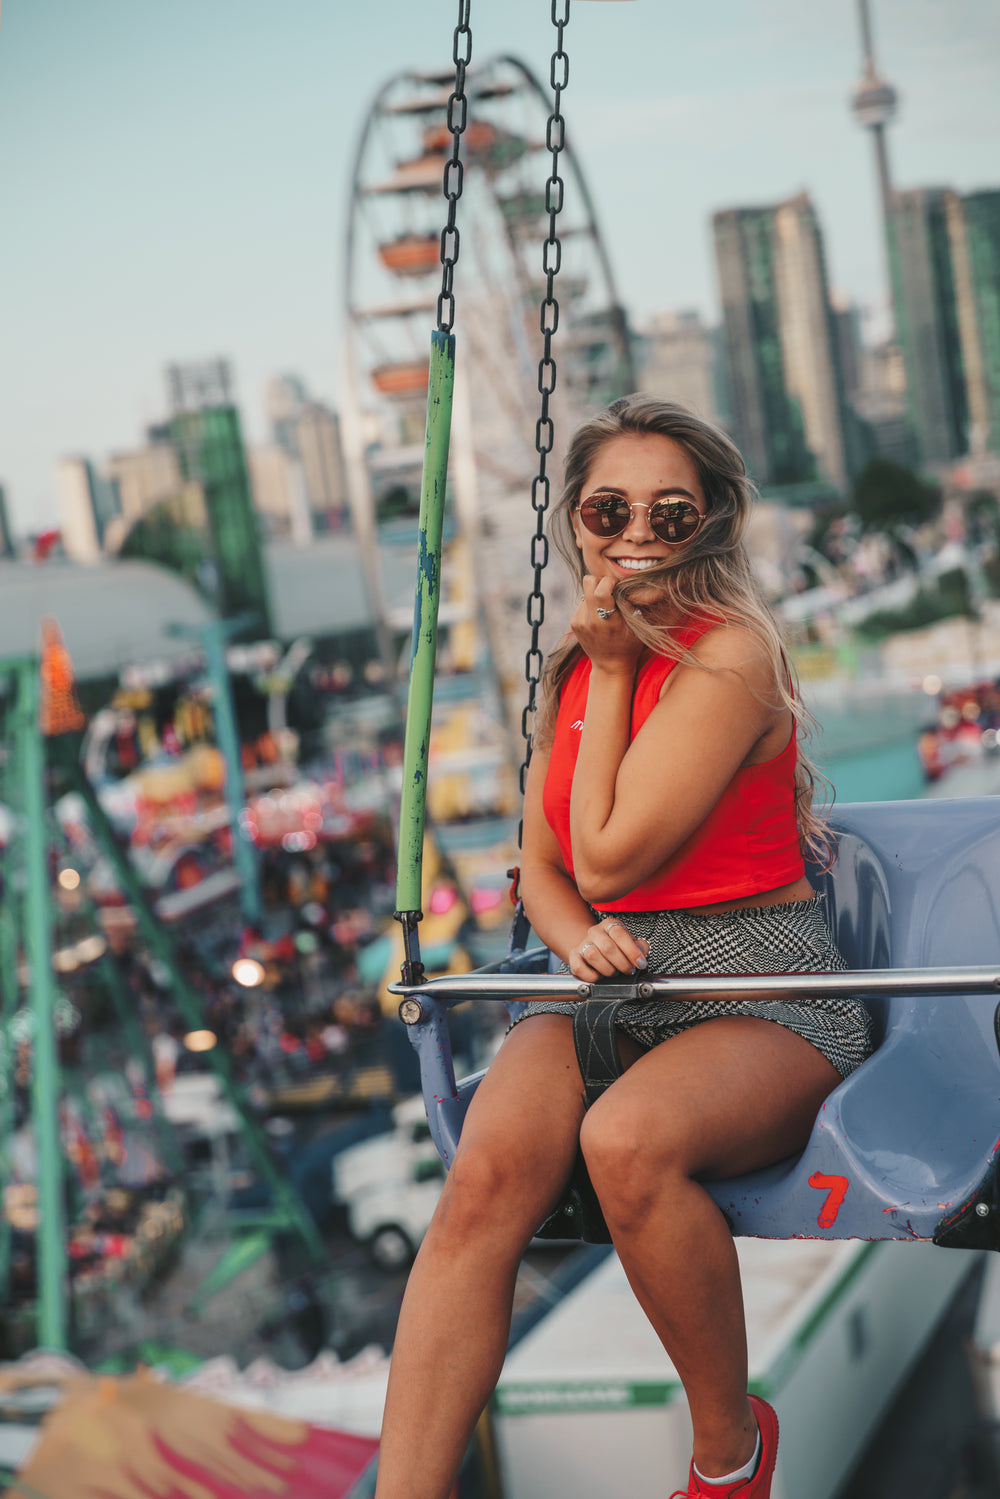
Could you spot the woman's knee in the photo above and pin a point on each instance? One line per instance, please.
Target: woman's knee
(629, 1171)
(482, 1194)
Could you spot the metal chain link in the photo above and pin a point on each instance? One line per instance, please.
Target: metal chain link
(555, 140)
(454, 172)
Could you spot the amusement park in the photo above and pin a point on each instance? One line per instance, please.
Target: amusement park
(499, 766)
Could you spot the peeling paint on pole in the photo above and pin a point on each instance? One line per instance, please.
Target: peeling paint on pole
(426, 602)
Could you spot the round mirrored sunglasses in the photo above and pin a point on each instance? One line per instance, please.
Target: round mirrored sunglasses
(671, 521)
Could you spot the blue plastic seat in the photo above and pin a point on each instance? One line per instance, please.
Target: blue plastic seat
(913, 1133)
(907, 1146)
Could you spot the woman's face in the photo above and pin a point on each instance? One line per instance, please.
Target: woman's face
(642, 468)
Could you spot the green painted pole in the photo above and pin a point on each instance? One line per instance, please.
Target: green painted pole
(427, 600)
(10, 918)
(53, 1264)
(136, 1041)
(286, 1199)
(213, 637)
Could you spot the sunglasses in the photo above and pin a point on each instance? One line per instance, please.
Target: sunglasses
(671, 521)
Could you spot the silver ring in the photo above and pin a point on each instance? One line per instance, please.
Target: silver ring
(611, 926)
(584, 946)
(605, 613)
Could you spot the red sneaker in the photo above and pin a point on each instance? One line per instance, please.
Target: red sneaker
(757, 1487)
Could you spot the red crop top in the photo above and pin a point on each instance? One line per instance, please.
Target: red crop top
(748, 843)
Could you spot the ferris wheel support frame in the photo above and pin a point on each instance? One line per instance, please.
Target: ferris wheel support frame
(593, 229)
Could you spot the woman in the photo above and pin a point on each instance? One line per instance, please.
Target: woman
(666, 807)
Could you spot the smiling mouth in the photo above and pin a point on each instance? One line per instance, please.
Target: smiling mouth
(636, 564)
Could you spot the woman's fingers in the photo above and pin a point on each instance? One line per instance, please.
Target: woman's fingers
(607, 949)
(600, 629)
(590, 961)
(598, 595)
(633, 950)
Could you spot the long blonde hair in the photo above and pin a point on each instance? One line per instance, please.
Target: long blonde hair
(714, 578)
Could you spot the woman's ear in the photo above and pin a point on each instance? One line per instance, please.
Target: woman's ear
(574, 516)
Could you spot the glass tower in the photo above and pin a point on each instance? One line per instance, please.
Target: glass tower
(786, 380)
(927, 322)
(974, 235)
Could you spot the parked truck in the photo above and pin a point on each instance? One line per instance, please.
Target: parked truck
(389, 1187)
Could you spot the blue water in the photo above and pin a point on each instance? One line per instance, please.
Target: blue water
(887, 773)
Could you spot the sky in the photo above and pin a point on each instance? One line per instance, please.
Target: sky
(175, 174)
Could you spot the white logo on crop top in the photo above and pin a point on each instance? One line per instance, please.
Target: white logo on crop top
(578, 724)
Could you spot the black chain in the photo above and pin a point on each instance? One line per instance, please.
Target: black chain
(555, 139)
(458, 114)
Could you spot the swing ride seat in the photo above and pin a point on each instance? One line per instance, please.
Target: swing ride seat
(906, 1147)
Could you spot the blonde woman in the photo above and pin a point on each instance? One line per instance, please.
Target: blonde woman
(667, 807)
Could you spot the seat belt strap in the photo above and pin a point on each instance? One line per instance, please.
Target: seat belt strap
(597, 1045)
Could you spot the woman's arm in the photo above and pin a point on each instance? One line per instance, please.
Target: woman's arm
(558, 913)
(633, 805)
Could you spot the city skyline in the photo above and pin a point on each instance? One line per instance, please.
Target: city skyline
(177, 181)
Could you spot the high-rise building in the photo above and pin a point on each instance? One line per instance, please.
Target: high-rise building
(944, 275)
(279, 493)
(767, 424)
(846, 322)
(784, 366)
(309, 433)
(927, 323)
(144, 477)
(317, 436)
(973, 221)
(679, 362)
(87, 504)
(810, 354)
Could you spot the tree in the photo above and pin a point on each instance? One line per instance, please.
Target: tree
(887, 495)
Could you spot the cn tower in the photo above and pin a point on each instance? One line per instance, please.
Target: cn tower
(874, 104)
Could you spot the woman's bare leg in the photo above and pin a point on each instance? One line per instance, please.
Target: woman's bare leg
(519, 1141)
(729, 1096)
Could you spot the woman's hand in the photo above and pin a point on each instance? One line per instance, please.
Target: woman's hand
(605, 637)
(608, 948)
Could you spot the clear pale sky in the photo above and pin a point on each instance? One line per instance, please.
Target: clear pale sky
(174, 174)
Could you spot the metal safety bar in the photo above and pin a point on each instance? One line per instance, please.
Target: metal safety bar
(456, 988)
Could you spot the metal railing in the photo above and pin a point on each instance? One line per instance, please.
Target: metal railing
(456, 988)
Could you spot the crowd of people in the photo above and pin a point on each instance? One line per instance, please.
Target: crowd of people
(967, 727)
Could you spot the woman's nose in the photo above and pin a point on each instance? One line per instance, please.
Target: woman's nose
(638, 528)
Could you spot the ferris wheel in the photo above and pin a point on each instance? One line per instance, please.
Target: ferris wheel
(391, 283)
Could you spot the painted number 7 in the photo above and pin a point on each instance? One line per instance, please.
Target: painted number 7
(835, 1188)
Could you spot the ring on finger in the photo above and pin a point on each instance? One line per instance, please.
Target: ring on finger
(605, 613)
(611, 926)
(584, 946)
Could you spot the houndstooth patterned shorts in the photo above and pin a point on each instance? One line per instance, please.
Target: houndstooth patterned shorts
(792, 937)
